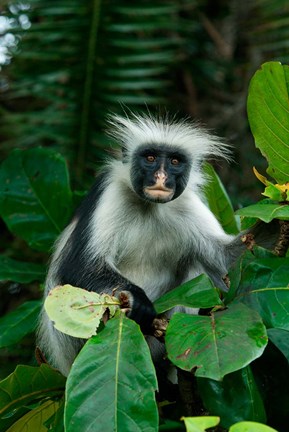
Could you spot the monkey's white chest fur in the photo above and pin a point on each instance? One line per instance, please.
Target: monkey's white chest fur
(147, 244)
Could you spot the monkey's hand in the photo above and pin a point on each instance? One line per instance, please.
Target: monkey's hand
(138, 307)
(160, 325)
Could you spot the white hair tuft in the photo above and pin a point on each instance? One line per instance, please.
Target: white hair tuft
(188, 136)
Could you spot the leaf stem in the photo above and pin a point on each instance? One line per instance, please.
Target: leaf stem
(116, 303)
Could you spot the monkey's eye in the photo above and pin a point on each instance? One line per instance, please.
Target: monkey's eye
(150, 158)
(175, 161)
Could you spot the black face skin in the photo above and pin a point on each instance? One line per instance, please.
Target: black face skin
(159, 173)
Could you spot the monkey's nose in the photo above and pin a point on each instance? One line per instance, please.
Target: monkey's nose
(161, 175)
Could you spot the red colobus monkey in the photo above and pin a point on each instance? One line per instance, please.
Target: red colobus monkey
(143, 226)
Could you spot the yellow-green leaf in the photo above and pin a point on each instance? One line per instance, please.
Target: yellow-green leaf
(200, 424)
(77, 312)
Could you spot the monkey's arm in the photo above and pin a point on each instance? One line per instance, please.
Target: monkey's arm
(215, 250)
(132, 296)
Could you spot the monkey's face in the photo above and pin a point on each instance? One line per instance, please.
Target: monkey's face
(159, 173)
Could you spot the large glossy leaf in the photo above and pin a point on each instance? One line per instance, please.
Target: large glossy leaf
(112, 382)
(235, 398)
(219, 201)
(271, 303)
(262, 285)
(266, 212)
(25, 386)
(257, 270)
(19, 323)
(210, 343)
(269, 119)
(197, 293)
(35, 196)
(22, 272)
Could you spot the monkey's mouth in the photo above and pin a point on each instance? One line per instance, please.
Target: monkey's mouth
(158, 193)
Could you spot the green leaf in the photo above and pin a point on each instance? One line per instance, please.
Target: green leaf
(35, 197)
(55, 423)
(209, 343)
(171, 425)
(276, 192)
(262, 285)
(272, 304)
(20, 272)
(235, 398)
(268, 117)
(200, 424)
(219, 201)
(113, 374)
(34, 420)
(197, 293)
(259, 268)
(247, 426)
(19, 323)
(280, 339)
(253, 272)
(266, 212)
(76, 311)
(23, 387)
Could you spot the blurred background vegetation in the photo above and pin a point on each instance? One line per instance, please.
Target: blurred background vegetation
(65, 65)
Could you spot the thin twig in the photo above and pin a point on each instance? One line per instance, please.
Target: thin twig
(282, 245)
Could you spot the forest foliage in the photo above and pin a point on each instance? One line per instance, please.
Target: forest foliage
(230, 349)
(55, 96)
